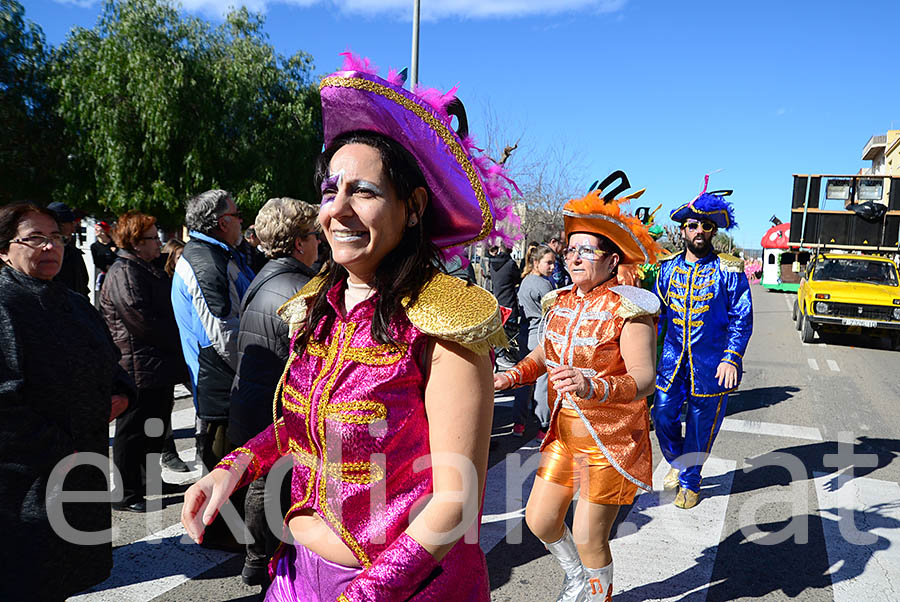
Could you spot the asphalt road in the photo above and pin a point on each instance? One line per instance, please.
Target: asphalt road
(800, 498)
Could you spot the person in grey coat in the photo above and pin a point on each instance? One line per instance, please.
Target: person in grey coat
(288, 232)
(535, 284)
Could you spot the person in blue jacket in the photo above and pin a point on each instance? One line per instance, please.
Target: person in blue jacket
(707, 316)
(210, 279)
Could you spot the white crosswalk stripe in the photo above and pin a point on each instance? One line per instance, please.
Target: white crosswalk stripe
(506, 491)
(154, 565)
(861, 525)
(644, 555)
(756, 427)
(813, 363)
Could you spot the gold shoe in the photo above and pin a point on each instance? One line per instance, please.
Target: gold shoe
(670, 481)
(686, 498)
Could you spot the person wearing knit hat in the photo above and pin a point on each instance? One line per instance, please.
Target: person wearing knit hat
(707, 316)
(598, 349)
(385, 404)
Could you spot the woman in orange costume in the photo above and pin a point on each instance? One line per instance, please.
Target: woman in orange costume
(599, 350)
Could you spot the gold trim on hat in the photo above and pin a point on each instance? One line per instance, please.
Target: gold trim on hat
(439, 127)
(702, 212)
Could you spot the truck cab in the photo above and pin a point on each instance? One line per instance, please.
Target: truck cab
(844, 292)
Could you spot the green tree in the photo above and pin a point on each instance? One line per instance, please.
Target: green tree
(162, 105)
(30, 153)
(723, 242)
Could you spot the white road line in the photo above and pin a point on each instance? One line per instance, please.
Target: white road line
(663, 540)
(181, 419)
(861, 526)
(149, 568)
(813, 363)
(755, 427)
(153, 566)
(832, 365)
(507, 486)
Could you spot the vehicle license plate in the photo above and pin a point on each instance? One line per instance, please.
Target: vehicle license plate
(863, 323)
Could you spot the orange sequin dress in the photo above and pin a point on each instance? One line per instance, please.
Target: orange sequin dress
(584, 332)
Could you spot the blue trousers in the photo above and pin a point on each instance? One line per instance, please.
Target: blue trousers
(704, 418)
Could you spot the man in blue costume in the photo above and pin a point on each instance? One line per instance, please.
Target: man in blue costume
(707, 316)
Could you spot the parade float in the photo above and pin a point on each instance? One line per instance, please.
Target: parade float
(849, 281)
(781, 263)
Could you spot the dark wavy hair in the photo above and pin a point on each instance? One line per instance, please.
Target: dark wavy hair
(406, 269)
(12, 214)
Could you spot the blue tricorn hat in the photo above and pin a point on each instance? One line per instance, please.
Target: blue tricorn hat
(710, 206)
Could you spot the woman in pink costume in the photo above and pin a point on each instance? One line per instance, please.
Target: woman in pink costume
(386, 401)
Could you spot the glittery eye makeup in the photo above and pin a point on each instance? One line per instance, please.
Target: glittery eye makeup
(330, 186)
(367, 188)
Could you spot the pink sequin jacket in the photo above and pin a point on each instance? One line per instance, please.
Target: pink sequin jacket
(354, 423)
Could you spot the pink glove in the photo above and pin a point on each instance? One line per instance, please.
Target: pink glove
(398, 573)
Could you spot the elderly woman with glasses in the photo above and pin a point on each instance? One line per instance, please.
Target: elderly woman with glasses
(60, 385)
(288, 231)
(135, 301)
(598, 347)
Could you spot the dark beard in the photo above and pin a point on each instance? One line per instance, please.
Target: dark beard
(700, 251)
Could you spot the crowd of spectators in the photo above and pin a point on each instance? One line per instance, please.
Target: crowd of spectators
(201, 313)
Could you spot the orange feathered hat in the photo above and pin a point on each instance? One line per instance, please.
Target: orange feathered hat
(602, 214)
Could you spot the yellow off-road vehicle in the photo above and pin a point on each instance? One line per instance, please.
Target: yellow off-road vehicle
(849, 293)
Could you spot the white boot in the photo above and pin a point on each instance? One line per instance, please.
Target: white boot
(566, 554)
(599, 583)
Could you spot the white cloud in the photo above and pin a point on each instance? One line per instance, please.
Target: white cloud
(437, 9)
(79, 3)
(431, 9)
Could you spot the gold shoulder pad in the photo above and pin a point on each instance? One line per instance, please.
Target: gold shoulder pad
(635, 302)
(667, 256)
(293, 311)
(448, 308)
(730, 263)
(548, 300)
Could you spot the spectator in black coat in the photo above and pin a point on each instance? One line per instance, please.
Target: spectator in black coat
(251, 249)
(103, 252)
(73, 273)
(60, 385)
(505, 278)
(287, 229)
(136, 303)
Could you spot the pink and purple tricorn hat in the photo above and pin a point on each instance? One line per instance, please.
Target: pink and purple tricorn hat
(470, 193)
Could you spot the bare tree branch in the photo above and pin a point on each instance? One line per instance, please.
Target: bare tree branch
(507, 152)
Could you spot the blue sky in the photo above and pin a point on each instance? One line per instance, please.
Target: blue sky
(666, 91)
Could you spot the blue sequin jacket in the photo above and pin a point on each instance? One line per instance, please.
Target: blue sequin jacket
(707, 315)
